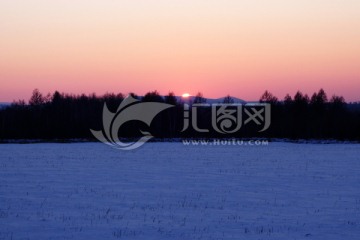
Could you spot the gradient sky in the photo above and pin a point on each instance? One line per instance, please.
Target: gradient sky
(234, 47)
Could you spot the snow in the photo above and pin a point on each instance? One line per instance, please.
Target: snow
(173, 191)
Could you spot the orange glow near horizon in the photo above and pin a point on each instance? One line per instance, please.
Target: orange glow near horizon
(240, 48)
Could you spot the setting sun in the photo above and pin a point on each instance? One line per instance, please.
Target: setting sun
(186, 95)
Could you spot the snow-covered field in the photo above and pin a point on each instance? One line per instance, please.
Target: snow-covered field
(171, 191)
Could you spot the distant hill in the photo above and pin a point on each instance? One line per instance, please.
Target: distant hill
(4, 104)
(209, 100)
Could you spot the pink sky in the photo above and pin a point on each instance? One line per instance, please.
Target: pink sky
(241, 48)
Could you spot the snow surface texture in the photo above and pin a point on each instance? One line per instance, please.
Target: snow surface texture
(171, 191)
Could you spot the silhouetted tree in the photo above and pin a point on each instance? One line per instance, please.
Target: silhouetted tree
(171, 98)
(267, 97)
(36, 98)
(318, 114)
(172, 115)
(18, 103)
(133, 95)
(228, 100)
(287, 99)
(199, 98)
(57, 97)
(319, 98)
(300, 99)
(153, 96)
(337, 100)
(300, 116)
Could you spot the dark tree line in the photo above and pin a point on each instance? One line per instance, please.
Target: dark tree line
(315, 117)
(65, 116)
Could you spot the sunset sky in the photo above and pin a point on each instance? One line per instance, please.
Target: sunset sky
(236, 47)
